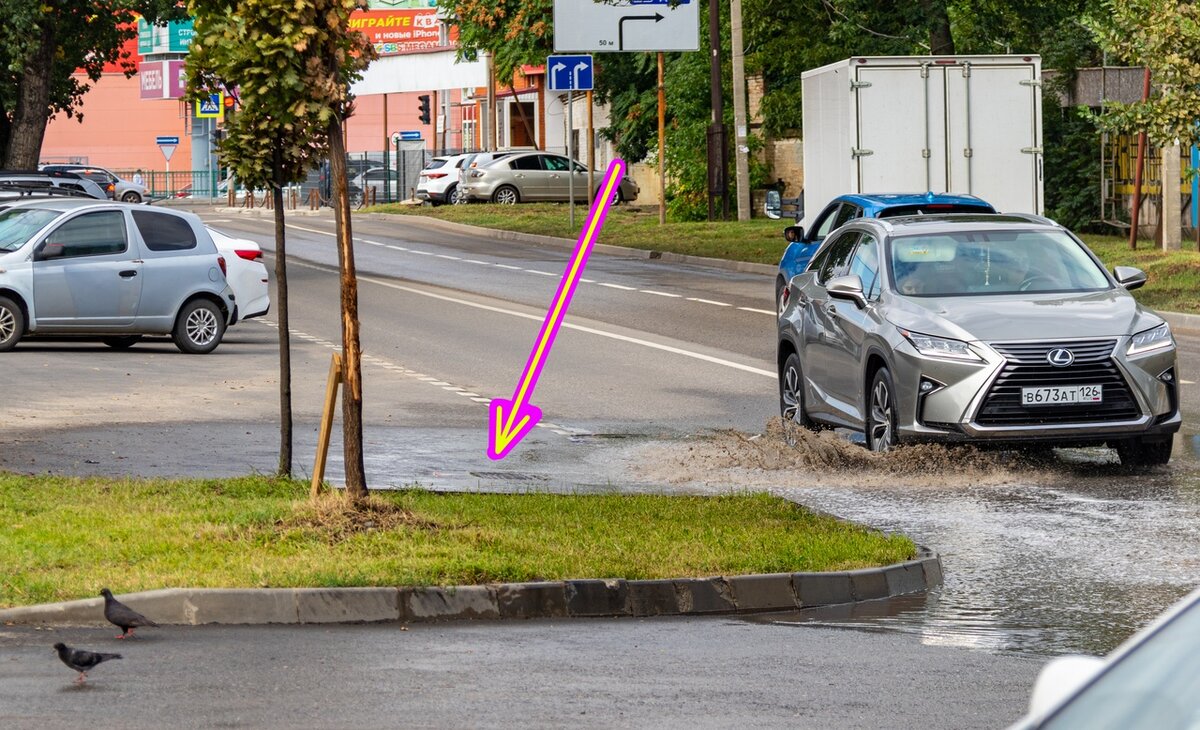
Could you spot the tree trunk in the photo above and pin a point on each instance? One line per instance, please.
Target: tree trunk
(32, 109)
(281, 310)
(941, 42)
(352, 436)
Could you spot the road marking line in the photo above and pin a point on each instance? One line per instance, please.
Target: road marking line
(506, 266)
(587, 281)
(619, 286)
(447, 256)
(708, 301)
(374, 243)
(398, 248)
(660, 293)
(1188, 382)
(420, 253)
(759, 311)
(543, 273)
(569, 325)
(476, 261)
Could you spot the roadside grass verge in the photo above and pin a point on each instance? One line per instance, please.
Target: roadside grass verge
(759, 240)
(1174, 276)
(66, 538)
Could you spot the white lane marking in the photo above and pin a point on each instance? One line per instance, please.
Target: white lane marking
(544, 273)
(375, 243)
(221, 220)
(1187, 382)
(569, 325)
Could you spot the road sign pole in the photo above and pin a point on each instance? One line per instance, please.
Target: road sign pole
(571, 157)
(591, 157)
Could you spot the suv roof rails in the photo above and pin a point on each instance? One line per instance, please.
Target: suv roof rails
(28, 189)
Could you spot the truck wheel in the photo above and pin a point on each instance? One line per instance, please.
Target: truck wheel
(199, 327)
(12, 324)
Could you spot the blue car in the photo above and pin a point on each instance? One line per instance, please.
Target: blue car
(845, 208)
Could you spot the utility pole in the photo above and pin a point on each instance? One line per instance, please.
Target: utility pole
(740, 148)
(717, 154)
(662, 152)
(491, 102)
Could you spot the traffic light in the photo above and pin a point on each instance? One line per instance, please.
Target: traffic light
(423, 101)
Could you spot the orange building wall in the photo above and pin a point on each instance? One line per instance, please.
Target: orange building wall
(118, 129)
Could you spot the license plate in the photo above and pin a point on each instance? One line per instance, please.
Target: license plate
(1062, 395)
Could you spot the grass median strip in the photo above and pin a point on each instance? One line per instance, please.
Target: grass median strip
(65, 538)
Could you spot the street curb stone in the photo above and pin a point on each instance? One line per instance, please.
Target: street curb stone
(549, 599)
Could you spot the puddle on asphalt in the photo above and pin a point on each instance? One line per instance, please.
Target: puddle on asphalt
(1045, 553)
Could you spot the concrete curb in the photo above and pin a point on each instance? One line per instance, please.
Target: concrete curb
(1181, 320)
(436, 224)
(550, 599)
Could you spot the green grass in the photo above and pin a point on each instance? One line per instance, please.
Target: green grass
(1174, 277)
(66, 538)
(759, 240)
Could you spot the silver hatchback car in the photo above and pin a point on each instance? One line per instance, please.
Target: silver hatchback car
(993, 329)
(112, 270)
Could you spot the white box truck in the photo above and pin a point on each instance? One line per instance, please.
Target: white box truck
(914, 124)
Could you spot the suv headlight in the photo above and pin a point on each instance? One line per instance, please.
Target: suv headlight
(1154, 338)
(943, 347)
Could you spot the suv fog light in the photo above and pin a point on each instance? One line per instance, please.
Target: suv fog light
(1167, 376)
(926, 387)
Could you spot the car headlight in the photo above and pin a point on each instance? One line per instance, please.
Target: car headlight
(1152, 339)
(931, 346)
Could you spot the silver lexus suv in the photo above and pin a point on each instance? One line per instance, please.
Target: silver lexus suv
(993, 329)
(110, 270)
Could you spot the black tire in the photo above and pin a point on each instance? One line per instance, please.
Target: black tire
(791, 394)
(1145, 451)
(131, 197)
(123, 342)
(506, 195)
(780, 285)
(12, 324)
(199, 327)
(881, 412)
(451, 192)
(618, 198)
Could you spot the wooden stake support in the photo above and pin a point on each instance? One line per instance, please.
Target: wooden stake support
(331, 394)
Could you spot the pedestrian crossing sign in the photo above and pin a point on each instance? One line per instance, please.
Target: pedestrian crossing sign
(210, 107)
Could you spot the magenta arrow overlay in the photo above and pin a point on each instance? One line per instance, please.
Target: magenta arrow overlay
(510, 420)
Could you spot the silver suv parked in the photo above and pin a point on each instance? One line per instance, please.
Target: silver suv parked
(993, 329)
(86, 267)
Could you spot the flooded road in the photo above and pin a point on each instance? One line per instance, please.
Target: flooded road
(1046, 554)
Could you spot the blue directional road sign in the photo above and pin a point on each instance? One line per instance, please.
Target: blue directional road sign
(570, 73)
(166, 140)
(410, 136)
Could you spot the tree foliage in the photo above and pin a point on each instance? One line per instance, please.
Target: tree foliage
(290, 64)
(42, 44)
(515, 32)
(1163, 36)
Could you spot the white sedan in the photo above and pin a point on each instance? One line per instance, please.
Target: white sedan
(1152, 681)
(245, 273)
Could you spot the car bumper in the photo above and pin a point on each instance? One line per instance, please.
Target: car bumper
(947, 400)
(478, 191)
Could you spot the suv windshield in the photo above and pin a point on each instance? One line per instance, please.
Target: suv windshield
(18, 225)
(992, 262)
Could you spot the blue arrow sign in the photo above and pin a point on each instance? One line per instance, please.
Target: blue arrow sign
(410, 136)
(166, 140)
(570, 73)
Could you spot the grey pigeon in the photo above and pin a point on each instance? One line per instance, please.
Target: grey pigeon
(81, 660)
(122, 616)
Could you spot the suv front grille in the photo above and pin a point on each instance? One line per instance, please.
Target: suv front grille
(1027, 367)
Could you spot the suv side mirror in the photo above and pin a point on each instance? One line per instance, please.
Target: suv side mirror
(774, 205)
(847, 287)
(1129, 277)
(792, 234)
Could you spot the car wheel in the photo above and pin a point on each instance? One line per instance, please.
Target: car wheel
(123, 342)
(131, 197)
(12, 324)
(881, 412)
(199, 327)
(617, 197)
(1145, 451)
(791, 394)
(780, 302)
(451, 194)
(506, 195)
(460, 197)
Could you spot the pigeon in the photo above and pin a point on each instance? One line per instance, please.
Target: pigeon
(81, 660)
(122, 616)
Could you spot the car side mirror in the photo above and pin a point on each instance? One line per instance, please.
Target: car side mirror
(48, 250)
(792, 234)
(1129, 277)
(774, 205)
(847, 287)
(1061, 678)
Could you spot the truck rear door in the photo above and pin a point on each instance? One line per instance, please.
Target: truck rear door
(901, 134)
